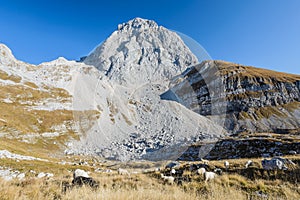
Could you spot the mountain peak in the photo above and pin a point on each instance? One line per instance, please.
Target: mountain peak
(58, 61)
(6, 55)
(137, 23)
(141, 52)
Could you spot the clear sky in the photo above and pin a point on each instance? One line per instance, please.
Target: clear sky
(262, 33)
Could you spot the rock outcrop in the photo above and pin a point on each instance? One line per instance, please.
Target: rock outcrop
(247, 98)
(250, 147)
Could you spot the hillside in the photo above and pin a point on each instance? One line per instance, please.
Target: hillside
(249, 99)
(37, 115)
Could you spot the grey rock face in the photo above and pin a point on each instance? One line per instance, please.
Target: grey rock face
(298, 85)
(139, 60)
(256, 100)
(140, 52)
(242, 148)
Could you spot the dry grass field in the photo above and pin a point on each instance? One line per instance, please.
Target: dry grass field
(141, 184)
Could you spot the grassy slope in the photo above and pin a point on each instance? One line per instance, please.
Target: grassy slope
(147, 186)
(266, 75)
(18, 118)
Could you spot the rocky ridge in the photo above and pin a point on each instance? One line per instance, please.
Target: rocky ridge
(253, 99)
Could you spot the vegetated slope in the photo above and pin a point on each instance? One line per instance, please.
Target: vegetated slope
(36, 105)
(253, 99)
(236, 182)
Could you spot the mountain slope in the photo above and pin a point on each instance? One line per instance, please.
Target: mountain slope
(36, 104)
(256, 100)
(138, 61)
(117, 114)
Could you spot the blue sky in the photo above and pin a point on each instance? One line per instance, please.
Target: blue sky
(262, 33)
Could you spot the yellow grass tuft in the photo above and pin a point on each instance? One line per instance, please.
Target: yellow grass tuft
(5, 76)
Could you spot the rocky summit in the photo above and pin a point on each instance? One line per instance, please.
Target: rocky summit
(141, 52)
(142, 94)
(138, 62)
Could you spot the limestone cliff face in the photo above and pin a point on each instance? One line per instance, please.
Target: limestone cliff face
(141, 51)
(246, 98)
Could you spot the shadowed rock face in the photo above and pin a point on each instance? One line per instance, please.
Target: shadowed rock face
(242, 148)
(256, 100)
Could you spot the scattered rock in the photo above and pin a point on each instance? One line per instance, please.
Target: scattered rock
(173, 164)
(274, 163)
(17, 157)
(80, 173)
(293, 152)
(9, 174)
(261, 194)
(21, 176)
(47, 175)
(88, 181)
(80, 178)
